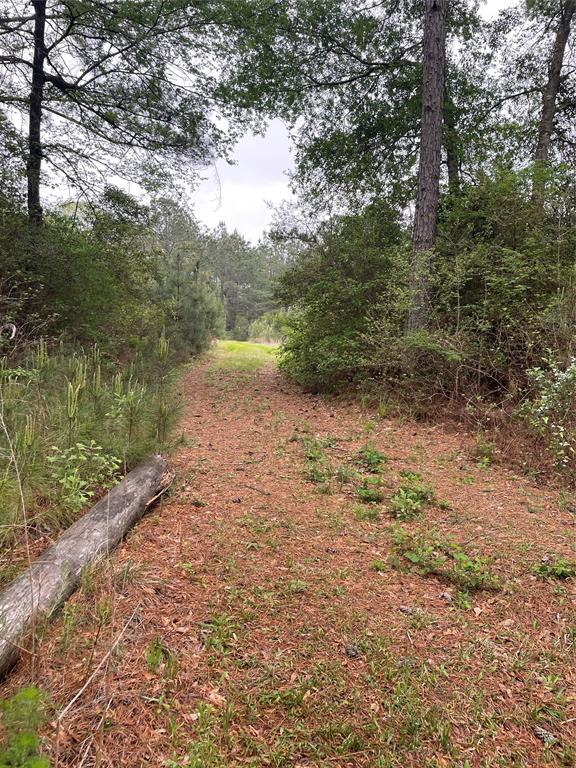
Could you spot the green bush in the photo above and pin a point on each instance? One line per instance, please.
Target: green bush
(407, 502)
(503, 295)
(550, 411)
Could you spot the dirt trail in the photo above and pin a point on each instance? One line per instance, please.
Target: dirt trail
(269, 620)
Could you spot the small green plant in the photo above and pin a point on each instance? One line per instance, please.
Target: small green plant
(555, 568)
(345, 475)
(411, 496)
(429, 554)
(219, 633)
(405, 504)
(23, 715)
(297, 586)
(318, 469)
(370, 458)
(128, 404)
(158, 656)
(369, 491)
(379, 566)
(79, 470)
(154, 655)
(483, 452)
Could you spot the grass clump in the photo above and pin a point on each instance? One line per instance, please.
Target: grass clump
(365, 513)
(429, 554)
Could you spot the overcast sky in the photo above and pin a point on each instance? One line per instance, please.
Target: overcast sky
(238, 194)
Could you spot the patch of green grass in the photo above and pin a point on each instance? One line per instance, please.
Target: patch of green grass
(364, 513)
(242, 356)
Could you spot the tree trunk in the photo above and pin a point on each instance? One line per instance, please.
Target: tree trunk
(54, 575)
(34, 162)
(428, 192)
(451, 143)
(550, 95)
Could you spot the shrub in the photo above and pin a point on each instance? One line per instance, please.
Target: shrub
(502, 293)
(551, 409)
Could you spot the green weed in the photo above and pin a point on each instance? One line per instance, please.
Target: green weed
(555, 568)
(369, 491)
(365, 513)
(429, 554)
(413, 493)
(370, 459)
(219, 633)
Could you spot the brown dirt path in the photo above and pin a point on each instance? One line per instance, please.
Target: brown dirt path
(265, 624)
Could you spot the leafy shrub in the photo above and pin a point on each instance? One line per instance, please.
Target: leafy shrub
(502, 294)
(551, 410)
(80, 469)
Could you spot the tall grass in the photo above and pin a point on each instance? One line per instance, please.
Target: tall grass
(74, 422)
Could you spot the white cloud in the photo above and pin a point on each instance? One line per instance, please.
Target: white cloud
(238, 194)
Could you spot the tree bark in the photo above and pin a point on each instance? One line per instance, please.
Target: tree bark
(38, 592)
(428, 192)
(550, 95)
(34, 161)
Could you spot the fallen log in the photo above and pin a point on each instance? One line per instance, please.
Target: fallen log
(50, 580)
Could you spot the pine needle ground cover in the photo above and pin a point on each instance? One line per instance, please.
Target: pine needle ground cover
(264, 615)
